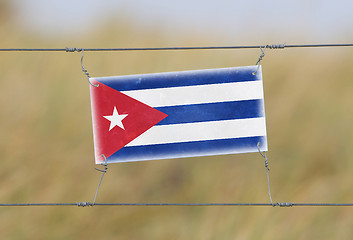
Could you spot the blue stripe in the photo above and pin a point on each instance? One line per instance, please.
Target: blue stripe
(212, 111)
(178, 79)
(187, 149)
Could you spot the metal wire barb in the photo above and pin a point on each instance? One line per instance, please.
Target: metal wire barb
(285, 204)
(73, 49)
(84, 204)
(276, 46)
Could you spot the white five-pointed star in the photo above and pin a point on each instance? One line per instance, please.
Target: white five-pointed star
(116, 119)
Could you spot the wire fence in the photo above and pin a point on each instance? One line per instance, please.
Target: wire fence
(89, 204)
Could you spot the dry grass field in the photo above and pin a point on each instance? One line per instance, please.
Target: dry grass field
(46, 146)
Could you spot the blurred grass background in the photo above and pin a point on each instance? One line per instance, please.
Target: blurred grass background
(47, 146)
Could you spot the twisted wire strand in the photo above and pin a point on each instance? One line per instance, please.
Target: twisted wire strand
(269, 46)
(88, 204)
(104, 171)
(263, 154)
(82, 67)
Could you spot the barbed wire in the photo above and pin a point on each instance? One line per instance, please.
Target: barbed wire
(89, 204)
(270, 46)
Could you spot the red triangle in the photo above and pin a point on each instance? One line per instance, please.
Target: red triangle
(140, 117)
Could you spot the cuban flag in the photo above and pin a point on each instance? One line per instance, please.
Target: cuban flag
(178, 114)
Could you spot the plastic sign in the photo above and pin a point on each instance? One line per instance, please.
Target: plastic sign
(178, 114)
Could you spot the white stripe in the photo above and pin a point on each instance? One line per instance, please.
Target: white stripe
(189, 132)
(224, 92)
